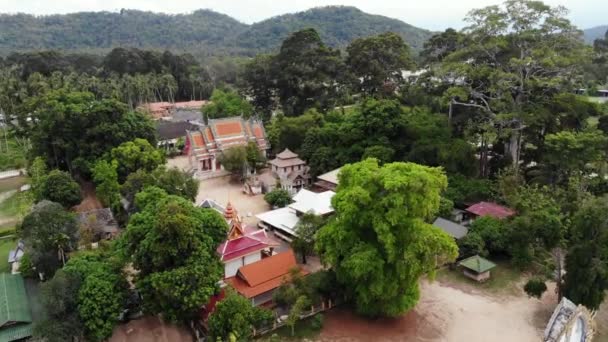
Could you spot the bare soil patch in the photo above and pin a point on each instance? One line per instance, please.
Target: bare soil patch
(150, 329)
(224, 190)
(447, 313)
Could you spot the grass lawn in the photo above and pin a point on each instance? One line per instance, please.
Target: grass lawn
(16, 206)
(304, 329)
(5, 246)
(503, 278)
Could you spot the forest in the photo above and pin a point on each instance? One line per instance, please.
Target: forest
(503, 111)
(202, 33)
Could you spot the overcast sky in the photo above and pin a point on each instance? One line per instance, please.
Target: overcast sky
(430, 14)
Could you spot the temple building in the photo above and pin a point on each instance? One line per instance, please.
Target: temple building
(288, 170)
(204, 145)
(258, 281)
(244, 245)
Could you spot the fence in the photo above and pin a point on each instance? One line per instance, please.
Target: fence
(277, 323)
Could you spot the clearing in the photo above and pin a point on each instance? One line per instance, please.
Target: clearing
(222, 190)
(453, 309)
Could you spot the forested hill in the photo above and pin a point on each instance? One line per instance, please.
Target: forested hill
(203, 32)
(337, 25)
(591, 34)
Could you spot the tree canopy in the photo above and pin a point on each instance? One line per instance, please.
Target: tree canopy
(379, 243)
(172, 245)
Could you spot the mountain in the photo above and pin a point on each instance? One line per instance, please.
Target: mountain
(204, 32)
(337, 25)
(594, 33)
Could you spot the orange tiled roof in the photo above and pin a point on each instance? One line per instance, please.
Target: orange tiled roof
(264, 275)
(198, 139)
(209, 135)
(258, 132)
(228, 128)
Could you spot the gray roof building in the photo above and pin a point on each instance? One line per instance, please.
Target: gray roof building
(454, 229)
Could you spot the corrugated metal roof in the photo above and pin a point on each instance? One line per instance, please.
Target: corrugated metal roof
(454, 229)
(13, 300)
(16, 332)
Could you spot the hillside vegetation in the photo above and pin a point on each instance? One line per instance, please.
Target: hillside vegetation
(203, 32)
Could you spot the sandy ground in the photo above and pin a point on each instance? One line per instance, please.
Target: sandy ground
(150, 329)
(446, 313)
(222, 190)
(180, 162)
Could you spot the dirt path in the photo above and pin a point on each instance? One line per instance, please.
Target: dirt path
(89, 199)
(446, 313)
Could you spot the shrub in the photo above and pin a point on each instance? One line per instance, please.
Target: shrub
(278, 198)
(535, 287)
(317, 322)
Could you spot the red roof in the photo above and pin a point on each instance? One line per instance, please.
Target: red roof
(264, 275)
(233, 249)
(229, 128)
(490, 209)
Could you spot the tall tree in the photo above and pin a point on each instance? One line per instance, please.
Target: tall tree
(516, 54)
(226, 103)
(379, 243)
(72, 129)
(49, 233)
(60, 187)
(377, 63)
(307, 73)
(172, 245)
(135, 155)
(586, 278)
(307, 227)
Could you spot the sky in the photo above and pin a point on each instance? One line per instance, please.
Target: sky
(429, 14)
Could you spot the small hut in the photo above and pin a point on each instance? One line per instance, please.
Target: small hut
(477, 268)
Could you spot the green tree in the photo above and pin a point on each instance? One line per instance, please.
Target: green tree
(172, 245)
(37, 171)
(59, 299)
(377, 62)
(470, 245)
(493, 232)
(567, 153)
(71, 130)
(258, 84)
(307, 227)
(58, 186)
(538, 225)
(586, 278)
(136, 155)
(234, 160)
(101, 294)
(379, 243)
(307, 73)
(107, 188)
(278, 198)
(234, 316)
(226, 103)
(49, 233)
(514, 43)
(172, 180)
(296, 311)
(441, 45)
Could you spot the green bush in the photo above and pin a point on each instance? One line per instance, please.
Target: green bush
(278, 198)
(535, 287)
(26, 267)
(317, 322)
